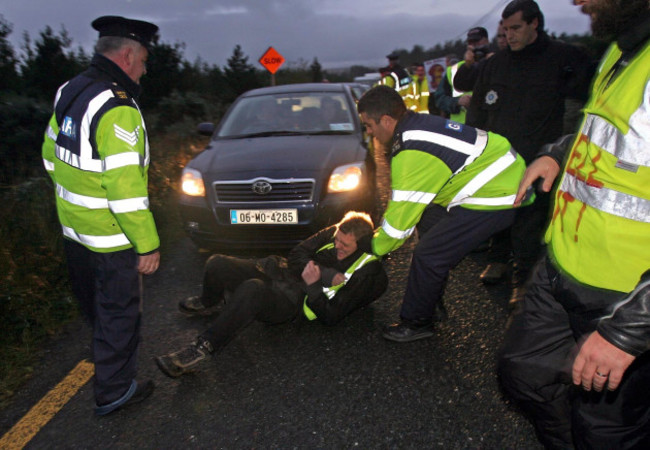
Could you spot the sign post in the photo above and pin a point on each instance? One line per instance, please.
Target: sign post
(271, 60)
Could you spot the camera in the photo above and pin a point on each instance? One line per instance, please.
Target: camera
(481, 52)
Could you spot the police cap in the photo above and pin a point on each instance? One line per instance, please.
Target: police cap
(393, 56)
(476, 34)
(138, 30)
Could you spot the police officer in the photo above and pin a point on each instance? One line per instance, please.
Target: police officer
(97, 154)
(418, 96)
(455, 183)
(586, 316)
(398, 77)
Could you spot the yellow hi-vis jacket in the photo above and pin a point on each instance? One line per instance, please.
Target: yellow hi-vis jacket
(330, 291)
(97, 154)
(451, 73)
(600, 228)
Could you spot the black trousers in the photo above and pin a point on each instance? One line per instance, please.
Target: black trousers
(535, 368)
(252, 297)
(445, 238)
(106, 286)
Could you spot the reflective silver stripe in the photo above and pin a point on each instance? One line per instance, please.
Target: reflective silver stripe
(490, 201)
(81, 200)
(49, 165)
(394, 232)
(472, 150)
(115, 240)
(631, 147)
(608, 200)
(454, 69)
(413, 196)
(94, 105)
(330, 292)
(129, 205)
(50, 133)
(122, 160)
(424, 93)
(89, 165)
(482, 179)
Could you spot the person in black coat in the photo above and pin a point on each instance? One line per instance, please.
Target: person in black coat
(325, 277)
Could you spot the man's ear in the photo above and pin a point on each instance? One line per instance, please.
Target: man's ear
(388, 122)
(128, 56)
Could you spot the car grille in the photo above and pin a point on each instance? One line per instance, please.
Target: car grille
(257, 190)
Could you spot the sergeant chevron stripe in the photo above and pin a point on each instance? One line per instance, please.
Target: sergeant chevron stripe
(129, 138)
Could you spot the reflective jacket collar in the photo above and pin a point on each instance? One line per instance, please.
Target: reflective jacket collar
(103, 68)
(636, 34)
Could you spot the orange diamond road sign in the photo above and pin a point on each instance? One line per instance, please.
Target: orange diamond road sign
(271, 60)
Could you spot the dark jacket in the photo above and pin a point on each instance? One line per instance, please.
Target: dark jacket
(520, 95)
(366, 284)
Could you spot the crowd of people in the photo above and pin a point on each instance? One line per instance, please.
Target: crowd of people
(568, 218)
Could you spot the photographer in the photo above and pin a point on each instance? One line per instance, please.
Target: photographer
(451, 101)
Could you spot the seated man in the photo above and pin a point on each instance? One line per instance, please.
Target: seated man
(325, 277)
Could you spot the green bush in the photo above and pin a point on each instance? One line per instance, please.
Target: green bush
(22, 125)
(34, 297)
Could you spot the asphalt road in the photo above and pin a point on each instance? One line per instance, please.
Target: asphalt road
(300, 384)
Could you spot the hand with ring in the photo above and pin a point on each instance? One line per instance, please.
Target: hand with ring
(594, 356)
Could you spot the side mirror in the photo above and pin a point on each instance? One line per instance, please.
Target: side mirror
(206, 128)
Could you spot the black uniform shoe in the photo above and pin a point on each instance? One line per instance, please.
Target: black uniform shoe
(494, 273)
(183, 361)
(407, 331)
(193, 306)
(136, 393)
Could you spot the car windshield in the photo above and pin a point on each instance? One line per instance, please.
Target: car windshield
(292, 113)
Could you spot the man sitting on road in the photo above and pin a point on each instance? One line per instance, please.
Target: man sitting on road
(325, 277)
(455, 183)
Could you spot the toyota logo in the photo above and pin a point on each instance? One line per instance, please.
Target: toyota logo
(262, 187)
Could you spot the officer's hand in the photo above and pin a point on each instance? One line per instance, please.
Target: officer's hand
(148, 264)
(600, 362)
(543, 167)
(311, 273)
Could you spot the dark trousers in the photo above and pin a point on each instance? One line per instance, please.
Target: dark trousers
(252, 296)
(527, 236)
(535, 368)
(523, 242)
(106, 286)
(445, 237)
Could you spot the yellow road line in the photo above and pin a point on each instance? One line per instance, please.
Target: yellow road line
(46, 409)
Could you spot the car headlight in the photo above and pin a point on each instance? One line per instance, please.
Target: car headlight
(346, 178)
(192, 183)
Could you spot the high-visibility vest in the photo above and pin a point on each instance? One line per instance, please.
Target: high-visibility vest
(97, 153)
(330, 291)
(400, 80)
(600, 228)
(417, 99)
(451, 73)
(448, 164)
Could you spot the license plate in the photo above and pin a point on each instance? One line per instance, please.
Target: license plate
(263, 216)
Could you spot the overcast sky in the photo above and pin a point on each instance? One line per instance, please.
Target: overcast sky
(339, 33)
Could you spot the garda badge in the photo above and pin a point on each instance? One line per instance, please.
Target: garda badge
(491, 97)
